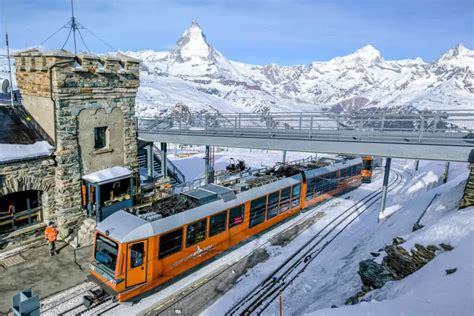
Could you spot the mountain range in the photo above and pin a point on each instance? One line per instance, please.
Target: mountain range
(198, 76)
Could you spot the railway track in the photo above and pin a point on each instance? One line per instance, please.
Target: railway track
(261, 296)
(109, 304)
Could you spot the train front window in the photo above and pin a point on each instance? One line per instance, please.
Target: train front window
(106, 252)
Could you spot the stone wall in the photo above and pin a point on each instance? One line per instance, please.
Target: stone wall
(37, 174)
(81, 86)
(468, 198)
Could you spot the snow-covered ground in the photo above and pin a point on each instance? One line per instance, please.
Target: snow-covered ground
(332, 278)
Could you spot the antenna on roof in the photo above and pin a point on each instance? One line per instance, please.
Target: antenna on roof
(73, 26)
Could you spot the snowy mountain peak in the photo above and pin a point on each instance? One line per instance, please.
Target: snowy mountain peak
(459, 56)
(192, 46)
(366, 53)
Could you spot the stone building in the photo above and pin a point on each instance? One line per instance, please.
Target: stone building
(83, 110)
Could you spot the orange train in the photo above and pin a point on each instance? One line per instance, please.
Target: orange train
(367, 166)
(134, 253)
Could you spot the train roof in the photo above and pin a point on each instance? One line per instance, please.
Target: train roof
(324, 170)
(126, 227)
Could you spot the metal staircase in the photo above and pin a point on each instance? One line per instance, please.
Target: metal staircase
(173, 172)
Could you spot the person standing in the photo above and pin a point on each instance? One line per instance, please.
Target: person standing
(51, 234)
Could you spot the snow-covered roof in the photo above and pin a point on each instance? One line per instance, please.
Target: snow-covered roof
(9, 152)
(19, 137)
(108, 175)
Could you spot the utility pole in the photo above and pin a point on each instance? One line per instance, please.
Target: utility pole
(8, 58)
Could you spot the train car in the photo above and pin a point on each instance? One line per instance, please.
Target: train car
(132, 255)
(367, 166)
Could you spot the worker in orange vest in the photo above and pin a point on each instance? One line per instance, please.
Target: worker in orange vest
(51, 234)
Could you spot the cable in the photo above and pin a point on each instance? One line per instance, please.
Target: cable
(62, 27)
(82, 39)
(67, 38)
(97, 37)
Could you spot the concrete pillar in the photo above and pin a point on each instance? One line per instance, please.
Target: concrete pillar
(446, 172)
(417, 163)
(207, 163)
(150, 162)
(164, 158)
(284, 157)
(388, 162)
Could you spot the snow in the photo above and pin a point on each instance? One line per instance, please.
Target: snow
(16, 151)
(332, 278)
(199, 76)
(107, 174)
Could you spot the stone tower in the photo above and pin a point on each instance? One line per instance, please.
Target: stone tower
(86, 104)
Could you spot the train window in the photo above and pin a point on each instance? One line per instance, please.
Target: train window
(136, 255)
(106, 252)
(171, 243)
(272, 209)
(236, 215)
(218, 223)
(334, 180)
(343, 173)
(327, 179)
(285, 199)
(318, 186)
(257, 211)
(295, 195)
(310, 189)
(196, 232)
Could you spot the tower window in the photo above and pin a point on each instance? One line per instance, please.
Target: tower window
(100, 137)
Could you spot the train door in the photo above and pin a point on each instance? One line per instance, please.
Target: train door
(136, 263)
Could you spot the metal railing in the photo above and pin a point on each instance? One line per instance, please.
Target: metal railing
(170, 165)
(429, 126)
(222, 176)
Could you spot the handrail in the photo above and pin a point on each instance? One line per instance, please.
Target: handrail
(422, 126)
(174, 168)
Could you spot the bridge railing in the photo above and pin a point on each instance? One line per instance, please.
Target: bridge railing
(423, 126)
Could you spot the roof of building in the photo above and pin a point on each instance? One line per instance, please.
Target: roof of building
(108, 175)
(19, 138)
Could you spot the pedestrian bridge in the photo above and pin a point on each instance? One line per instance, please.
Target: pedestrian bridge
(431, 135)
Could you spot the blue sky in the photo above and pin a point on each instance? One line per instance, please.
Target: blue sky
(263, 31)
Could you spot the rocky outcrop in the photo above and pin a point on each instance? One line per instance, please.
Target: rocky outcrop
(396, 265)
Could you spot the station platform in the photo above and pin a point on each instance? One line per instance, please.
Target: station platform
(34, 268)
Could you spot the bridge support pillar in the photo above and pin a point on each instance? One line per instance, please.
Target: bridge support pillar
(417, 164)
(284, 157)
(150, 162)
(388, 162)
(209, 168)
(164, 158)
(446, 172)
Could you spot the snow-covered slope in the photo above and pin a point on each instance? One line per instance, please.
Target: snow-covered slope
(199, 76)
